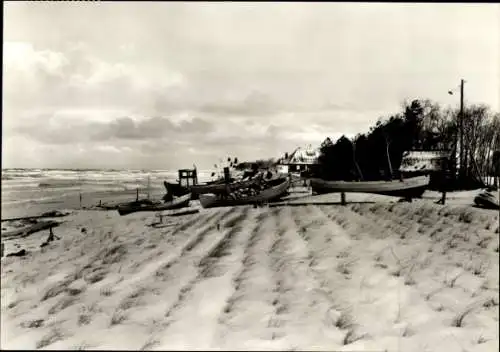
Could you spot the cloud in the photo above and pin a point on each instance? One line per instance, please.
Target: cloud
(67, 130)
(252, 79)
(46, 77)
(255, 103)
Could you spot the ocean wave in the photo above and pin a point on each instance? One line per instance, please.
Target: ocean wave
(29, 186)
(51, 178)
(60, 184)
(13, 176)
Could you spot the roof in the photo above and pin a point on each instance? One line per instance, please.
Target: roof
(305, 156)
(424, 160)
(427, 154)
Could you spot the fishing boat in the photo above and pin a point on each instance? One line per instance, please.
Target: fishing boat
(412, 187)
(278, 188)
(136, 206)
(221, 187)
(217, 186)
(175, 189)
(487, 200)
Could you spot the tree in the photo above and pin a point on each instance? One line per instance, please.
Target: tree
(387, 144)
(423, 125)
(355, 162)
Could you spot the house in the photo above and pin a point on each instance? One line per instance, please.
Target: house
(300, 161)
(436, 164)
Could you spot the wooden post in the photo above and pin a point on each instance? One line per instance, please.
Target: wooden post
(226, 175)
(80, 200)
(443, 198)
(3, 248)
(149, 185)
(342, 198)
(137, 194)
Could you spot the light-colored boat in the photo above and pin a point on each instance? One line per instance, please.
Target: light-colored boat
(270, 194)
(133, 207)
(412, 187)
(487, 200)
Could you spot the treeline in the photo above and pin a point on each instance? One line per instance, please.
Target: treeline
(422, 125)
(256, 165)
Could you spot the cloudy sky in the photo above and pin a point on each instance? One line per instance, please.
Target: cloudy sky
(165, 85)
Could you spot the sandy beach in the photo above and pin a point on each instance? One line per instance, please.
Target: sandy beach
(375, 275)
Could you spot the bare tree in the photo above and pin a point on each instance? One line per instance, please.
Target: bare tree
(387, 144)
(355, 161)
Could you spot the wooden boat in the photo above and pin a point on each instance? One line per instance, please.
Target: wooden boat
(412, 187)
(223, 188)
(487, 200)
(133, 207)
(175, 189)
(278, 189)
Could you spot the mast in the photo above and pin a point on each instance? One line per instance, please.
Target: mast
(149, 185)
(461, 121)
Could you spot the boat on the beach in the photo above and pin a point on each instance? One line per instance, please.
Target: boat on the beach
(412, 187)
(175, 189)
(220, 187)
(278, 188)
(487, 200)
(136, 206)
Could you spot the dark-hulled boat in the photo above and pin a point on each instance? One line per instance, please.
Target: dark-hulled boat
(133, 207)
(412, 187)
(222, 187)
(175, 189)
(278, 189)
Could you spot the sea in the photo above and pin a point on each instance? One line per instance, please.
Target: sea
(27, 192)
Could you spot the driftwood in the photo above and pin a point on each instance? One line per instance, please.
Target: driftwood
(20, 253)
(25, 232)
(107, 207)
(185, 212)
(49, 214)
(303, 204)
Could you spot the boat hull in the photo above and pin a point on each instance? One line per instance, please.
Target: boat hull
(487, 200)
(413, 187)
(267, 195)
(178, 203)
(175, 189)
(221, 188)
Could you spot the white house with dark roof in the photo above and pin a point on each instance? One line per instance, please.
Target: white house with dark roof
(300, 160)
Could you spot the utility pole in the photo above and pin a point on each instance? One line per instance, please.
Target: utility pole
(462, 166)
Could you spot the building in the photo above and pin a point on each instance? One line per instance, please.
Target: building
(302, 160)
(436, 164)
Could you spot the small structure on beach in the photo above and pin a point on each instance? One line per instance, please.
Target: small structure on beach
(300, 160)
(436, 164)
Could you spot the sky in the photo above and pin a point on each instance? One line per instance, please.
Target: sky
(165, 85)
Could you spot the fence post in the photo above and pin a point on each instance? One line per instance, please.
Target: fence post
(443, 198)
(342, 198)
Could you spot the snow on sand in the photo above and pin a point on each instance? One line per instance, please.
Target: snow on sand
(370, 276)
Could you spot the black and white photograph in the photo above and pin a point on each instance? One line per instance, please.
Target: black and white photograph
(260, 176)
